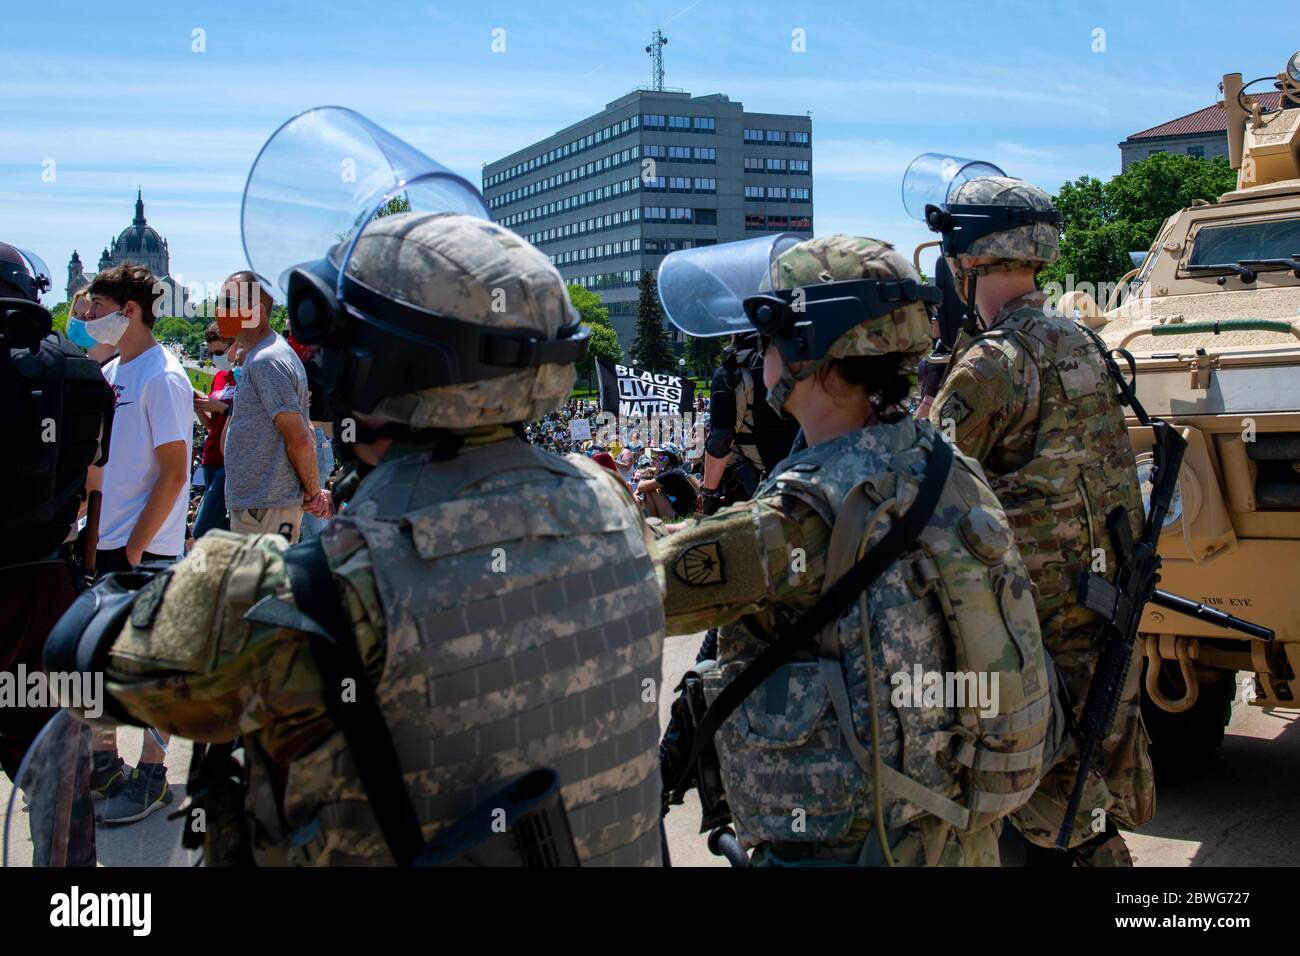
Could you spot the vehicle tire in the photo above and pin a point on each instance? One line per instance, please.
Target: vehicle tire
(1185, 742)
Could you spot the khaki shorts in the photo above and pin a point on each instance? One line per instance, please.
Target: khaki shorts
(283, 521)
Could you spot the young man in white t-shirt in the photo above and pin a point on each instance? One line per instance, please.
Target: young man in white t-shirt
(144, 483)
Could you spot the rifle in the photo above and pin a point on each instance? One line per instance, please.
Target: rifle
(1120, 602)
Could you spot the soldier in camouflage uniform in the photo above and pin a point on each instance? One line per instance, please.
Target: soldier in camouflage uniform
(504, 600)
(822, 763)
(1030, 398)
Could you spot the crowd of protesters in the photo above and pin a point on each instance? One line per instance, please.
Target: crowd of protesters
(663, 473)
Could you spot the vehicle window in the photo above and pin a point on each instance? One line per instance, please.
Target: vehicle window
(1229, 243)
(1153, 256)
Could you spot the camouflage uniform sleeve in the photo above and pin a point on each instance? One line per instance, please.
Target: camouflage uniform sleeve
(742, 560)
(203, 670)
(979, 401)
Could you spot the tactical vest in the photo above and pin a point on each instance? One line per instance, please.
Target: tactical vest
(524, 626)
(762, 436)
(796, 755)
(1081, 465)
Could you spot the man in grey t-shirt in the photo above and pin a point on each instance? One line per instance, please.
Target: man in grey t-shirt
(270, 448)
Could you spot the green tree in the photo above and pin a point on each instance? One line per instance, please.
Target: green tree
(604, 340)
(1104, 222)
(398, 203)
(588, 305)
(702, 354)
(603, 344)
(279, 318)
(174, 329)
(652, 349)
(60, 313)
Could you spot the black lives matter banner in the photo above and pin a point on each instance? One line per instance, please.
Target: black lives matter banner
(633, 393)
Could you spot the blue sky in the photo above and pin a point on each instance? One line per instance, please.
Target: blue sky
(117, 97)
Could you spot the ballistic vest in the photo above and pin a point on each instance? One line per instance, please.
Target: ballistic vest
(795, 756)
(524, 629)
(1081, 465)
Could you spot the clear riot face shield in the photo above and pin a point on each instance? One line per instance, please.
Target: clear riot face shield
(320, 181)
(703, 290)
(929, 182)
(32, 276)
(931, 178)
(727, 289)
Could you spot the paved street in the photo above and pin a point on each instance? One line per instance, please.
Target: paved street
(1241, 811)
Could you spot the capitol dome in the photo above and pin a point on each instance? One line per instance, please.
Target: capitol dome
(139, 243)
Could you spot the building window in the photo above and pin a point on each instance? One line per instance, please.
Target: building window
(1152, 152)
(704, 154)
(754, 164)
(706, 185)
(754, 192)
(798, 138)
(775, 165)
(679, 122)
(706, 217)
(658, 152)
(755, 222)
(1197, 151)
(680, 214)
(654, 121)
(682, 153)
(657, 183)
(703, 124)
(800, 194)
(777, 192)
(778, 222)
(654, 214)
(800, 224)
(753, 136)
(775, 136)
(679, 183)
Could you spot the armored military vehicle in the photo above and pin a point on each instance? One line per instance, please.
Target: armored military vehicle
(1212, 319)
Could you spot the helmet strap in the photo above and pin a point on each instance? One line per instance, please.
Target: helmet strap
(778, 394)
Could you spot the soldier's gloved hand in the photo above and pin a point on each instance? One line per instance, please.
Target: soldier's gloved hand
(711, 501)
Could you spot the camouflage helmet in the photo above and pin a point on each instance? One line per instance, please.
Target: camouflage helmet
(1033, 244)
(845, 258)
(470, 269)
(904, 330)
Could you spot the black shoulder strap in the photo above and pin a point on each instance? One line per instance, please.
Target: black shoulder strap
(833, 602)
(362, 722)
(1127, 391)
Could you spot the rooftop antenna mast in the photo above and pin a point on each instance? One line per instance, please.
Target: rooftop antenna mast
(656, 50)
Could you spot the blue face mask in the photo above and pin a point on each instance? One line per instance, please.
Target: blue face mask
(78, 335)
(237, 372)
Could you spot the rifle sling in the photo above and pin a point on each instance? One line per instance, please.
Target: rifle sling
(829, 607)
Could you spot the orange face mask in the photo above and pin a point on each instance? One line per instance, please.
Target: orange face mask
(230, 324)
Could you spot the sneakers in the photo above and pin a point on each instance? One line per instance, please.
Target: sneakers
(142, 792)
(108, 776)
